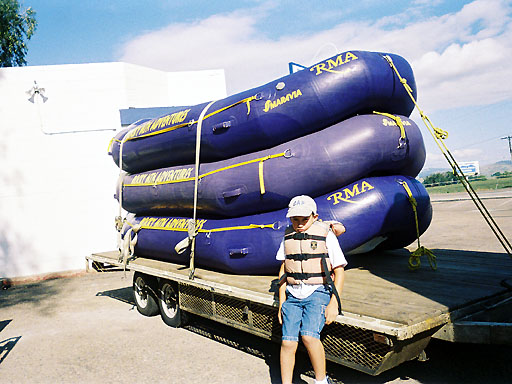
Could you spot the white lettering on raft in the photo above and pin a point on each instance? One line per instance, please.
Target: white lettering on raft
(390, 123)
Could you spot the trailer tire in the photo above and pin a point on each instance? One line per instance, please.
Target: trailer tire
(168, 301)
(144, 293)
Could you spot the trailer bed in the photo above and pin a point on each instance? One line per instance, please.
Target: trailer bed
(389, 312)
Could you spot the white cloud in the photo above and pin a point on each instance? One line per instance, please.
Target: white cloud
(467, 154)
(459, 59)
(435, 160)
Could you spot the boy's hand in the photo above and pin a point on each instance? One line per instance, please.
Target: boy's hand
(279, 315)
(331, 311)
(336, 227)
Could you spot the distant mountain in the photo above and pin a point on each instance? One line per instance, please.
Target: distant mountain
(500, 166)
(428, 171)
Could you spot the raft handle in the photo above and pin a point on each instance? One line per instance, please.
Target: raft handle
(222, 125)
(232, 193)
(238, 252)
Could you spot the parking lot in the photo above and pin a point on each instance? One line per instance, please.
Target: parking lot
(85, 329)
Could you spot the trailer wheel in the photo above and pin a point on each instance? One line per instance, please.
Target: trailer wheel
(144, 288)
(169, 304)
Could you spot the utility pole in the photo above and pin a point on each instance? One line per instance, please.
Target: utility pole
(509, 144)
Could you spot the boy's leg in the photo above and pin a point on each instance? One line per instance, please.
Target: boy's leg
(316, 355)
(313, 321)
(288, 349)
(291, 312)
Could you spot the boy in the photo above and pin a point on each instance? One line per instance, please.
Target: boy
(310, 253)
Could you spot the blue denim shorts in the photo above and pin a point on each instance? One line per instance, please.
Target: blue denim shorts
(305, 316)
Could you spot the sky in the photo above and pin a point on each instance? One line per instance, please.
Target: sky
(460, 51)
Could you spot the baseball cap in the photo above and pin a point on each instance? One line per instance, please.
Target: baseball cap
(301, 206)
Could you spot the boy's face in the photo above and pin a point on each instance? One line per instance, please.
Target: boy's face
(302, 223)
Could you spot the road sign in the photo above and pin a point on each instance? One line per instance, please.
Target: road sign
(470, 168)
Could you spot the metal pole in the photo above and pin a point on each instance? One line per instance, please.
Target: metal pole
(509, 144)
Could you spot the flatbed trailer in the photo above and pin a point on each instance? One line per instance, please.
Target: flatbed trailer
(389, 312)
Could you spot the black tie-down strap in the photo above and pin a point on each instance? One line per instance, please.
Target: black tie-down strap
(303, 236)
(305, 256)
(305, 276)
(331, 284)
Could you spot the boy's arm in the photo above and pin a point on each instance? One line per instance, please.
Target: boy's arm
(332, 308)
(282, 293)
(336, 227)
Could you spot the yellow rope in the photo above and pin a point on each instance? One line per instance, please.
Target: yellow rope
(414, 259)
(222, 229)
(262, 180)
(397, 120)
(189, 123)
(439, 135)
(109, 149)
(260, 172)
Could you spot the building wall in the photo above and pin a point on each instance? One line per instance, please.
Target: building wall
(57, 187)
(184, 85)
(145, 87)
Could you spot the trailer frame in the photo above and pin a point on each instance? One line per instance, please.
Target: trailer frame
(357, 339)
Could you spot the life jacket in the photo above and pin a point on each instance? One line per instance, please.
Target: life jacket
(306, 255)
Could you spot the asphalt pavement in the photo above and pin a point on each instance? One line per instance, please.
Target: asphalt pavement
(86, 329)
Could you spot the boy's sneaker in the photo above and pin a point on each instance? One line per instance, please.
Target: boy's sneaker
(328, 380)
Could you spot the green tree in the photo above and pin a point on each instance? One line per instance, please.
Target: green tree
(440, 178)
(16, 26)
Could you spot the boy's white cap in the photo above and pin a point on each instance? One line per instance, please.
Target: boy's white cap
(301, 206)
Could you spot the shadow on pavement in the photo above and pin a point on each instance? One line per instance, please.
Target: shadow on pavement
(3, 324)
(122, 294)
(447, 363)
(242, 341)
(6, 345)
(39, 294)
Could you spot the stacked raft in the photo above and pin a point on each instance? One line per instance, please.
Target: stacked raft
(313, 132)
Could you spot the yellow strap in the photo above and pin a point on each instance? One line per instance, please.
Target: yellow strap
(397, 120)
(260, 160)
(250, 226)
(409, 194)
(260, 171)
(222, 229)
(262, 181)
(414, 259)
(174, 127)
(439, 135)
(109, 149)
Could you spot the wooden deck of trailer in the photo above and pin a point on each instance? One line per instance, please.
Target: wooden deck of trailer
(389, 312)
(380, 292)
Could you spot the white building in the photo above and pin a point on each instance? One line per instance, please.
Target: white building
(57, 185)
